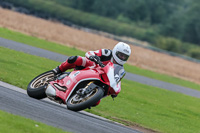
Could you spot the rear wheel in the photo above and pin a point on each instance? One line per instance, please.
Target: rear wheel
(77, 102)
(36, 88)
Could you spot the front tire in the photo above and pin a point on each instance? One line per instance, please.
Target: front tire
(77, 103)
(36, 88)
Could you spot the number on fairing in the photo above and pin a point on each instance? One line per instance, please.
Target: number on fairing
(117, 78)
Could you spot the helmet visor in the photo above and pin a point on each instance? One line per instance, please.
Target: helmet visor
(122, 56)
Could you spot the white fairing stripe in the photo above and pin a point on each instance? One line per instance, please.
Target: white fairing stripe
(112, 80)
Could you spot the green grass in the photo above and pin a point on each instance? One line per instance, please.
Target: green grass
(33, 41)
(19, 68)
(150, 107)
(10, 123)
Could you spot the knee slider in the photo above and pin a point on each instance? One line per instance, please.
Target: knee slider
(72, 59)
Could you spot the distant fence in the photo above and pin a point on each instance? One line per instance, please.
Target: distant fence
(117, 38)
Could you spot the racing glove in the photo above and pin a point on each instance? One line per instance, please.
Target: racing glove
(97, 60)
(94, 58)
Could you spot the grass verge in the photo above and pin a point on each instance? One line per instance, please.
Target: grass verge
(10, 123)
(18, 68)
(150, 107)
(33, 41)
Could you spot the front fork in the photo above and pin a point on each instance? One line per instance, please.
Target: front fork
(84, 91)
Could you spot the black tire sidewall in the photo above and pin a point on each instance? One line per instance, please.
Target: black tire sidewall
(37, 93)
(86, 104)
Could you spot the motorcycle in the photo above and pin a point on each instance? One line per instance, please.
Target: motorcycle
(79, 89)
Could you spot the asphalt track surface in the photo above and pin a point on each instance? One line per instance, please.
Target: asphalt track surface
(16, 101)
(59, 57)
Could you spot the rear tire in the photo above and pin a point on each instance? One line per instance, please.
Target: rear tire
(76, 103)
(36, 88)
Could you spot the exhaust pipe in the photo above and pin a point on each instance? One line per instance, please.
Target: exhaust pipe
(50, 91)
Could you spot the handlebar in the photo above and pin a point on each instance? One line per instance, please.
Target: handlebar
(101, 64)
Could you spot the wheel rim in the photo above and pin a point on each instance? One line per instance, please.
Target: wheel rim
(42, 80)
(76, 99)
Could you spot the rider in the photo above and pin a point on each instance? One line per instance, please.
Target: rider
(119, 55)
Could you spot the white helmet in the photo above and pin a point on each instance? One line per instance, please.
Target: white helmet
(121, 52)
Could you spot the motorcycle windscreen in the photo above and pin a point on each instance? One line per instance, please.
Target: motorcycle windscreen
(115, 74)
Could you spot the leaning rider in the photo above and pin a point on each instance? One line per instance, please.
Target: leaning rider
(119, 55)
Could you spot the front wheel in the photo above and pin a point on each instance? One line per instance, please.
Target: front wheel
(36, 88)
(77, 102)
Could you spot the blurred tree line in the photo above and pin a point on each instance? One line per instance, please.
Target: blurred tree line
(173, 25)
(175, 18)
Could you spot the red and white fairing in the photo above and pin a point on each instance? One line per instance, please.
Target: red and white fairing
(107, 75)
(113, 83)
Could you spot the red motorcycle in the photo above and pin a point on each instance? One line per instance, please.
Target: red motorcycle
(79, 89)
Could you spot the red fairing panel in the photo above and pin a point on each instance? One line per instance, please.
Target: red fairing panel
(73, 80)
